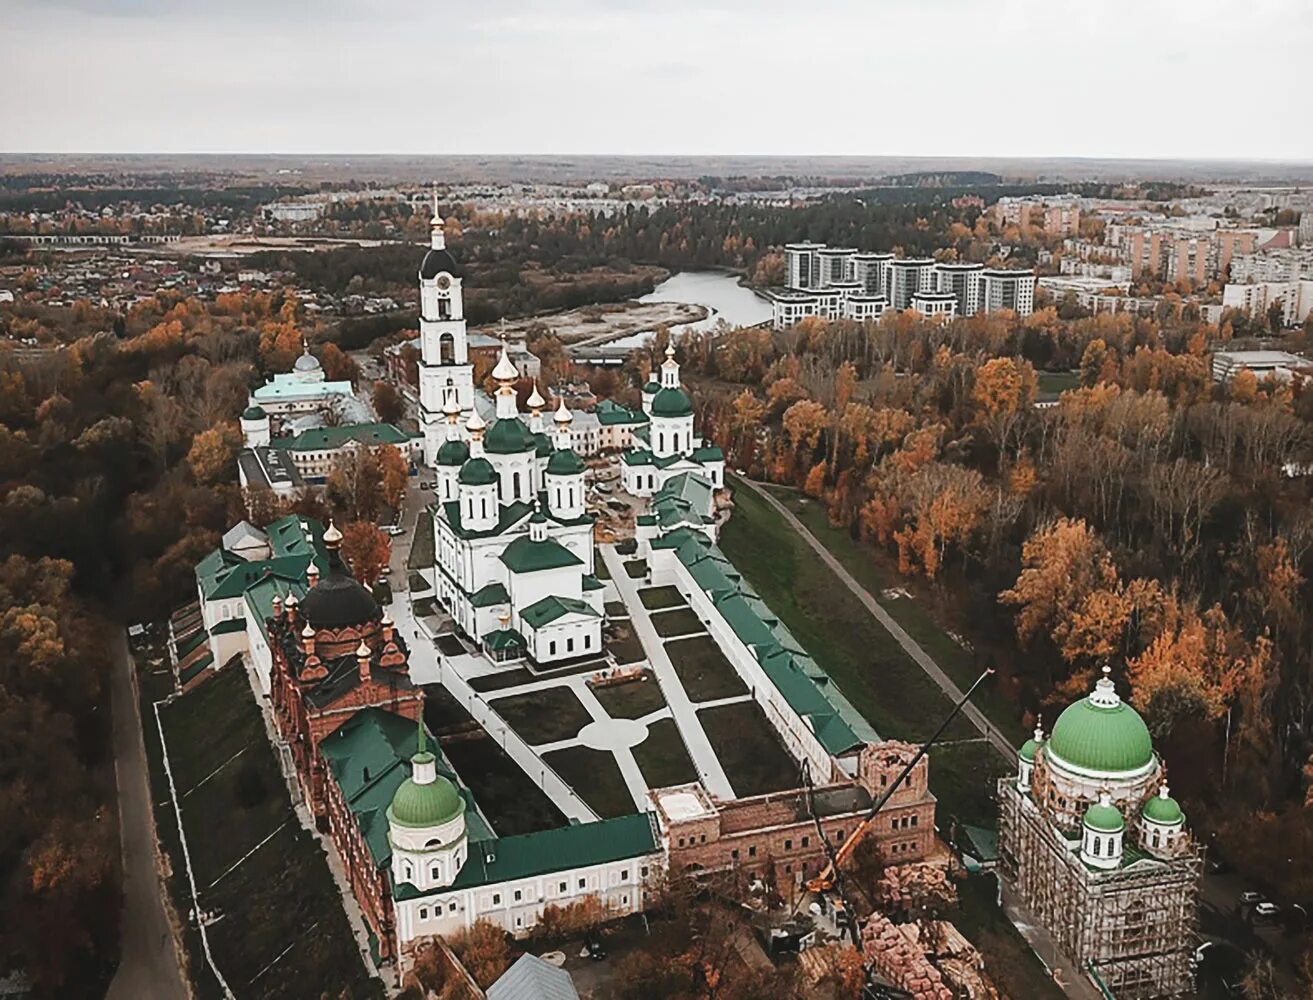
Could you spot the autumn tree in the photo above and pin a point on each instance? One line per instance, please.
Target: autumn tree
(483, 951)
(213, 454)
(337, 364)
(366, 550)
(394, 471)
(355, 483)
(388, 403)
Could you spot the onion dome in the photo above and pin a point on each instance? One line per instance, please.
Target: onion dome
(451, 410)
(535, 400)
(544, 446)
(562, 415)
(1101, 734)
(651, 387)
(475, 423)
(509, 436)
(338, 600)
(426, 799)
(435, 262)
(565, 462)
(477, 472)
(504, 370)
(453, 452)
(1104, 817)
(671, 403)
(253, 413)
(1163, 809)
(308, 632)
(1030, 748)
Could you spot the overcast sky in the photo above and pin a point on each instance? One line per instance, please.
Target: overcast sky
(1127, 78)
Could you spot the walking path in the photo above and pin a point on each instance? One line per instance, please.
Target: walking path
(684, 711)
(923, 659)
(149, 966)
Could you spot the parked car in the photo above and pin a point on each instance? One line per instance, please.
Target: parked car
(596, 951)
(1251, 898)
(1266, 911)
(395, 529)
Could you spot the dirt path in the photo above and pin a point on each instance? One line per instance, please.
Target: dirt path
(923, 659)
(149, 966)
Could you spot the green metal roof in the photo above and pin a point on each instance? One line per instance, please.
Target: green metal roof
(253, 413)
(671, 403)
(287, 538)
(1027, 752)
(260, 598)
(708, 453)
(524, 555)
(502, 639)
(1105, 740)
(233, 581)
(591, 582)
(507, 517)
(332, 438)
(490, 596)
(549, 609)
(477, 472)
(609, 412)
(565, 462)
(509, 436)
(568, 847)
(427, 805)
(1163, 809)
(1104, 819)
(453, 452)
(228, 626)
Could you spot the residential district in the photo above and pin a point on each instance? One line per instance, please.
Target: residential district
(582, 655)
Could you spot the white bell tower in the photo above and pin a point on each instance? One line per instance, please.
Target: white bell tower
(445, 372)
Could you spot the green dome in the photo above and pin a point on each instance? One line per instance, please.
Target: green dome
(671, 403)
(453, 452)
(431, 804)
(652, 387)
(1104, 819)
(1101, 733)
(509, 436)
(565, 463)
(1163, 809)
(477, 472)
(253, 413)
(544, 446)
(1027, 752)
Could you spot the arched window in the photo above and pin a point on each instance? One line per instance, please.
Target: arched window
(407, 870)
(1098, 846)
(435, 872)
(515, 481)
(446, 343)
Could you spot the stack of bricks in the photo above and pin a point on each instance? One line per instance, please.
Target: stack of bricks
(891, 954)
(904, 886)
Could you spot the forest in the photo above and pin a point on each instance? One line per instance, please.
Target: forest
(1151, 521)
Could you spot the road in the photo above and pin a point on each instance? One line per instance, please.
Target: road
(923, 659)
(149, 965)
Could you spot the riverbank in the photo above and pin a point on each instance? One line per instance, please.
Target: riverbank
(600, 324)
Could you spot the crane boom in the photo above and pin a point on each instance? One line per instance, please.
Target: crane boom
(828, 875)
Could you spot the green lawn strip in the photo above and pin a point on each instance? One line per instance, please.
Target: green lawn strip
(421, 544)
(681, 621)
(599, 569)
(543, 716)
(663, 758)
(749, 749)
(511, 800)
(275, 893)
(595, 777)
(625, 645)
(1056, 383)
(656, 598)
(636, 569)
(875, 673)
(443, 711)
(859, 559)
(632, 699)
(616, 609)
(501, 679)
(703, 669)
(1014, 968)
(964, 778)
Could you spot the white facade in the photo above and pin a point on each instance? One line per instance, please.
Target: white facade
(446, 375)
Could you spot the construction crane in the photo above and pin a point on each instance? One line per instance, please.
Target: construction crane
(831, 876)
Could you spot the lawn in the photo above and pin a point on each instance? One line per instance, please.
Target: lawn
(1055, 383)
(544, 716)
(616, 609)
(866, 662)
(636, 569)
(631, 699)
(964, 778)
(703, 669)
(500, 679)
(1009, 960)
(624, 645)
(656, 598)
(443, 712)
(511, 800)
(281, 888)
(599, 567)
(595, 777)
(421, 544)
(681, 621)
(749, 750)
(866, 566)
(662, 757)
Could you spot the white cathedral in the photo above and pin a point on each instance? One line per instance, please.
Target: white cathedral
(513, 540)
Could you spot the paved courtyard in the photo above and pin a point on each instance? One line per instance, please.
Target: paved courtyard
(597, 737)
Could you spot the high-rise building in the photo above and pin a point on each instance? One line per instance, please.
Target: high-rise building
(906, 277)
(835, 265)
(802, 265)
(1007, 289)
(869, 271)
(962, 281)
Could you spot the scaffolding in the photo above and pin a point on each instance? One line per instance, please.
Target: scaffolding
(1132, 928)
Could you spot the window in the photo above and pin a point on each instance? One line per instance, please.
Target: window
(435, 872)
(1098, 846)
(752, 851)
(451, 907)
(624, 875)
(562, 887)
(703, 838)
(569, 644)
(518, 895)
(893, 824)
(496, 899)
(551, 648)
(642, 873)
(405, 867)
(788, 869)
(588, 641)
(788, 845)
(914, 821)
(734, 854)
(681, 841)
(423, 913)
(806, 841)
(583, 883)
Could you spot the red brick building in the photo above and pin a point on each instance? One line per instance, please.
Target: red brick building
(776, 835)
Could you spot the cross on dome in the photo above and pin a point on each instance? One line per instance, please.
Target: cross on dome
(1105, 694)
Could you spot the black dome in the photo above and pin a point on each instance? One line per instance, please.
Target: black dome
(338, 601)
(437, 261)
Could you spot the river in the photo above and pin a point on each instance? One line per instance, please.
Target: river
(717, 291)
